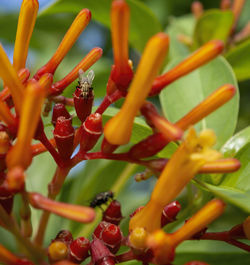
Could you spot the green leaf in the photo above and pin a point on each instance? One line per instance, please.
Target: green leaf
(236, 143)
(184, 94)
(143, 23)
(239, 58)
(179, 26)
(214, 24)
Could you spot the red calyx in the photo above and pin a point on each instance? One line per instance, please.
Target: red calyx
(113, 213)
(65, 236)
(110, 235)
(79, 249)
(59, 110)
(90, 132)
(64, 137)
(100, 253)
(170, 212)
(83, 103)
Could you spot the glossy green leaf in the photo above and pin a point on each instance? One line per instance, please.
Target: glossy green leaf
(239, 58)
(143, 23)
(184, 94)
(236, 143)
(214, 24)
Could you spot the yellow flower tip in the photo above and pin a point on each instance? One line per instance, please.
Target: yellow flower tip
(57, 251)
(76, 28)
(162, 247)
(221, 166)
(15, 179)
(219, 97)
(118, 130)
(120, 27)
(211, 211)
(26, 23)
(138, 237)
(77, 213)
(246, 227)
(11, 79)
(4, 143)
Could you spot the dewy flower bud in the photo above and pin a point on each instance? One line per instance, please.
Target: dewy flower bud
(100, 253)
(110, 235)
(83, 98)
(90, 131)
(64, 137)
(170, 212)
(65, 236)
(79, 249)
(59, 110)
(57, 251)
(113, 213)
(118, 130)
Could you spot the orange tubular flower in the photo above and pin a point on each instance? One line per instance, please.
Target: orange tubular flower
(121, 73)
(74, 212)
(6, 115)
(200, 57)
(85, 64)
(7, 257)
(221, 166)
(208, 105)
(11, 79)
(26, 23)
(163, 245)
(191, 155)
(76, 28)
(20, 154)
(236, 9)
(118, 130)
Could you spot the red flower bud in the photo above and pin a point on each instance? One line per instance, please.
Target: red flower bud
(78, 249)
(84, 96)
(59, 110)
(90, 132)
(64, 137)
(65, 236)
(170, 212)
(110, 235)
(100, 253)
(113, 213)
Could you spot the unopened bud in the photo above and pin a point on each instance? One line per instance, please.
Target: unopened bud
(78, 249)
(64, 136)
(113, 213)
(91, 130)
(57, 251)
(58, 111)
(65, 236)
(170, 212)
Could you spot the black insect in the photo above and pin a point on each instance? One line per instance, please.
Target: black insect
(85, 83)
(101, 198)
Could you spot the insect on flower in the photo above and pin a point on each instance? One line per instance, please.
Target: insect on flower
(101, 198)
(85, 83)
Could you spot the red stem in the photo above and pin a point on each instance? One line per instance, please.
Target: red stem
(108, 100)
(125, 256)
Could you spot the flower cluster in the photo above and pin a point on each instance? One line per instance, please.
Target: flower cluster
(21, 103)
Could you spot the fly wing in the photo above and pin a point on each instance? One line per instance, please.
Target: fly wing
(90, 77)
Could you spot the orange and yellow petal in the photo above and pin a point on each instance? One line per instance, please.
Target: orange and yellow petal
(25, 26)
(118, 130)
